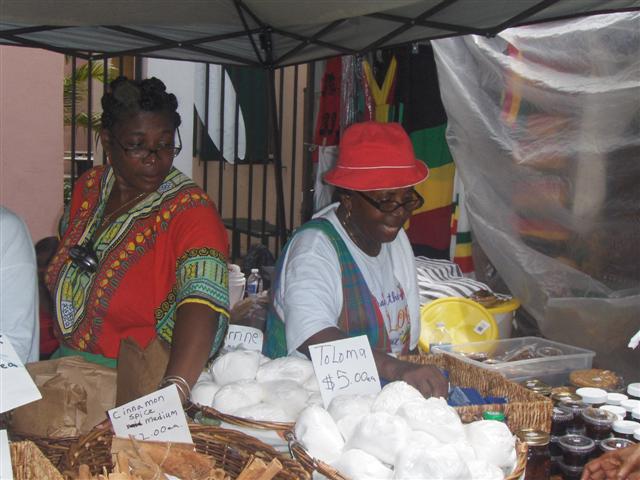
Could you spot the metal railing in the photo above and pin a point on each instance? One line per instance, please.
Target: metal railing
(260, 197)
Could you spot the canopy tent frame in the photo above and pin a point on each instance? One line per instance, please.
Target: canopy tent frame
(136, 31)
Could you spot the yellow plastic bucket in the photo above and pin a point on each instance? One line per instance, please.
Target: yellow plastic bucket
(503, 315)
(465, 320)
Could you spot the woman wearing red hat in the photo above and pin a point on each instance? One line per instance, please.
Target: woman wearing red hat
(350, 270)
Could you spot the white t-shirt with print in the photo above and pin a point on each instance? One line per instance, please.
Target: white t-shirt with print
(309, 298)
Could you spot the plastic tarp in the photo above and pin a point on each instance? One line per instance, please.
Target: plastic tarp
(544, 128)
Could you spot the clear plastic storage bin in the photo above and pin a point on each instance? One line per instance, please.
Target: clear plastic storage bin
(520, 359)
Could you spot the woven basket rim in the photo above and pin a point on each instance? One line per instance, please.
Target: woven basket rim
(239, 421)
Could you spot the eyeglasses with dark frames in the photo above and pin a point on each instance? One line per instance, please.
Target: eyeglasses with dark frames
(389, 206)
(141, 153)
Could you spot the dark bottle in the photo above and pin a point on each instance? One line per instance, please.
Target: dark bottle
(538, 454)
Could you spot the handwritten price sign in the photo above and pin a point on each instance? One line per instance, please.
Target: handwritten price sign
(17, 386)
(158, 416)
(247, 338)
(345, 367)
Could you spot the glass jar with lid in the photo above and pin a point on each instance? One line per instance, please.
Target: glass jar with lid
(596, 397)
(633, 390)
(538, 453)
(537, 386)
(630, 405)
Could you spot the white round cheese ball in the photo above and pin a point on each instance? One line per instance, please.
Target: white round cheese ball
(319, 434)
(203, 392)
(235, 366)
(287, 395)
(493, 442)
(360, 465)
(435, 417)
(285, 368)
(380, 434)
(441, 462)
(393, 395)
(238, 395)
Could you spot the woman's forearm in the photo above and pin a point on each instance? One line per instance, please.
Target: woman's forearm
(193, 335)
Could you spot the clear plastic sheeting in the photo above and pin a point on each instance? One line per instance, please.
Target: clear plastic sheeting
(544, 128)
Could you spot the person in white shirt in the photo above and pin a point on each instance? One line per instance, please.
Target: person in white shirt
(18, 287)
(350, 270)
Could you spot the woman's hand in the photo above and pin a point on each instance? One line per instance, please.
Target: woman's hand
(622, 464)
(426, 378)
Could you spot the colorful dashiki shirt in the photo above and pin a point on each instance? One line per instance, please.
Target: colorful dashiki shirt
(167, 250)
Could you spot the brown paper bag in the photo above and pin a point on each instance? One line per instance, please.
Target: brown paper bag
(75, 397)
(140, 371)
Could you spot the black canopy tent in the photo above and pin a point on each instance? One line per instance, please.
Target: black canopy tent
(266, 33)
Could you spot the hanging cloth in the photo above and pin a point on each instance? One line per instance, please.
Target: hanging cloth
(328, 120)
(382, 96)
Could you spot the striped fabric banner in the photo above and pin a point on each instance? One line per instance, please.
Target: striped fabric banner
(460, 249)
(442, 278)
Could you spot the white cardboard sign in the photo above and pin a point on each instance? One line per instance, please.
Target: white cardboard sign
(17, 385)
(157, 416)
(345, 367)
(247, 338)
(6, 472)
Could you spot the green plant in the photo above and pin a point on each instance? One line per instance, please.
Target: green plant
(81, 79)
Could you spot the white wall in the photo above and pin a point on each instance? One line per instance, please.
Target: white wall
(179, 79)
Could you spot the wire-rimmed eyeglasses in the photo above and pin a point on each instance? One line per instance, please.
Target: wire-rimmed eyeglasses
(141, 153)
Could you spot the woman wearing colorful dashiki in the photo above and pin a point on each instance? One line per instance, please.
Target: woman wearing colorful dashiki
(143, 251)
(350, 270)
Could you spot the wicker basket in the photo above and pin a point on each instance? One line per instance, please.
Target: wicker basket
(52, 448)
(29, 463)
(272, 433)
(314, 465)
(525, 409)
(231, 450)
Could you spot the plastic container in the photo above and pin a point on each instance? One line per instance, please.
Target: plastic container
(624, 429)
(616, 398)
(633, 390)
(636, 435)
(237, 283)
(552, 363)
(570, 472)
(630, 405)
(635, 414)
(560, 421)
(504, 315)
(576, 449)
(614, 444)
(254, 283)
(596, 397)
(598, 423)
(615, 409)
(577, 424)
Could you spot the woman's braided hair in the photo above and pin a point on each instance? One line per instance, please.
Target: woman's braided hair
(126, 97)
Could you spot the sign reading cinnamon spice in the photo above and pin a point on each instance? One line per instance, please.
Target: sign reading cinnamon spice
(157, 416)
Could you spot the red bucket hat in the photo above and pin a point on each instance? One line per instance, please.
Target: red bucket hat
(376, 156)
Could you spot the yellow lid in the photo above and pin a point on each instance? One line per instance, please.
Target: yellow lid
(508, 306)
(465, 321)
